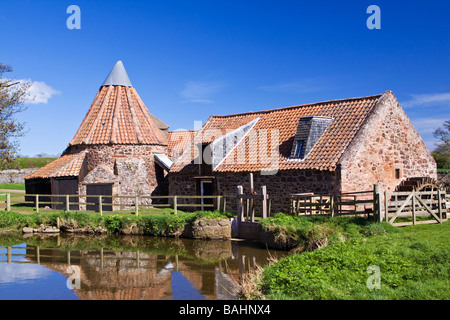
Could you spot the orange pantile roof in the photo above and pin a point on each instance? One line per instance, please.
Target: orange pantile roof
(178, 141)
(281, 126)
(68, 165)
(118, 116)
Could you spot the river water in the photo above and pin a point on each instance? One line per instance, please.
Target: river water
(80, 267)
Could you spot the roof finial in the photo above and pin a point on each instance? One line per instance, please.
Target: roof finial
(118, 76)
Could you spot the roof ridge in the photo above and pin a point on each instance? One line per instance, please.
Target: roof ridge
(297, 106)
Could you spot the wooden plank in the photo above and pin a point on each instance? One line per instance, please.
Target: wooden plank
(403, 224)
(429, 210)
(401, 208)
(250, 196)
(264, 200)
(240, 203)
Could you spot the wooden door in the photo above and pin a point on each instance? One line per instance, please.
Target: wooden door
(99, 190)
(65, 187)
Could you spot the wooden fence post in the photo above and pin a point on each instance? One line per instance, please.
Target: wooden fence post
(386, 213)
(377, 202)
(8, 202)
(264, 202)
(440, 203)
(240, 203)
(218, 203)
(175, 209)
(413, 201)
(251, 207)
(67, 203)
(100, 205)
(136, 205)
(332, 205)
(37, 203)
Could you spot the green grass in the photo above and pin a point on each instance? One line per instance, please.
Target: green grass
(25, 163)
(414, 264)
(443, 170)
(13, 186)
(157, 224)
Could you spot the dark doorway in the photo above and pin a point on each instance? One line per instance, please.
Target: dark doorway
(207, 189)
(99, 190)
(38, 186)
(65, 187)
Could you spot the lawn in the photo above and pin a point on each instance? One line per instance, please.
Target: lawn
(413, 264)
(25, 163)
(13, 186)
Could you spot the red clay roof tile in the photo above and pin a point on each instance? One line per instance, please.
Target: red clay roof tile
(118, 116)
(348, 116)
(67, 166)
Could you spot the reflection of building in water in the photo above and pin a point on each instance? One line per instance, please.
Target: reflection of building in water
(211, 267)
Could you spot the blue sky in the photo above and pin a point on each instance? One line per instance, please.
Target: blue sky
(191, 59)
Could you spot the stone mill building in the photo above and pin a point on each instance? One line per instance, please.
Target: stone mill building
(114, 152)
(327, 147)
(336, 146)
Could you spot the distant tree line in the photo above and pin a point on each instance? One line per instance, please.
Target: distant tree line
(442, 152)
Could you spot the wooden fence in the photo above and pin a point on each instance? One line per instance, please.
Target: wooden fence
(247, 213)
(137, 202)
(413, 204)
(353, 203)
(431, 204)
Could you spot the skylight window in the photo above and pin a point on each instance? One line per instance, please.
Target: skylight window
(298, 148)
(309, 131)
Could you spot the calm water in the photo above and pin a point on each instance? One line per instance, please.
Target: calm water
(123, 267)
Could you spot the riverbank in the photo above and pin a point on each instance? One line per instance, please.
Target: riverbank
(359, 262)
(197, 225)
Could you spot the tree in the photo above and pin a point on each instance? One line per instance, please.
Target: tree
(442, 152)
(13, 95)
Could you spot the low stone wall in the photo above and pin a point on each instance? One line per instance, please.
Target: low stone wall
(15, 176)
(208, 229)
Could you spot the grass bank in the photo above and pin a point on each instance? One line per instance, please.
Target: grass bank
(414, 263)
(161, 224)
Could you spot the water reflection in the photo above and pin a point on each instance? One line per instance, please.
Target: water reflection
(124, 267)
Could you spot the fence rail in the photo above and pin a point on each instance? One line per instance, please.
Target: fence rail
(413, 204)
(218, 202)
(355, 203)
(432, 204)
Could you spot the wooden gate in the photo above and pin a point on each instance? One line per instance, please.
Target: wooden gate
(415, 204)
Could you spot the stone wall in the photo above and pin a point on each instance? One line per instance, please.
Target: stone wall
(386, 150)
(279, 186)
(15, 176)
(131, 168)
(205, 228)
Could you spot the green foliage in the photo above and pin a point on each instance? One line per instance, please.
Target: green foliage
(13, 95)
(113, 223)
(442, 159)
(413, 261)
(15, 220)
(309, 232)
(151, 224)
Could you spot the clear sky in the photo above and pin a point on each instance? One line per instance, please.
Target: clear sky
(191, 59)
